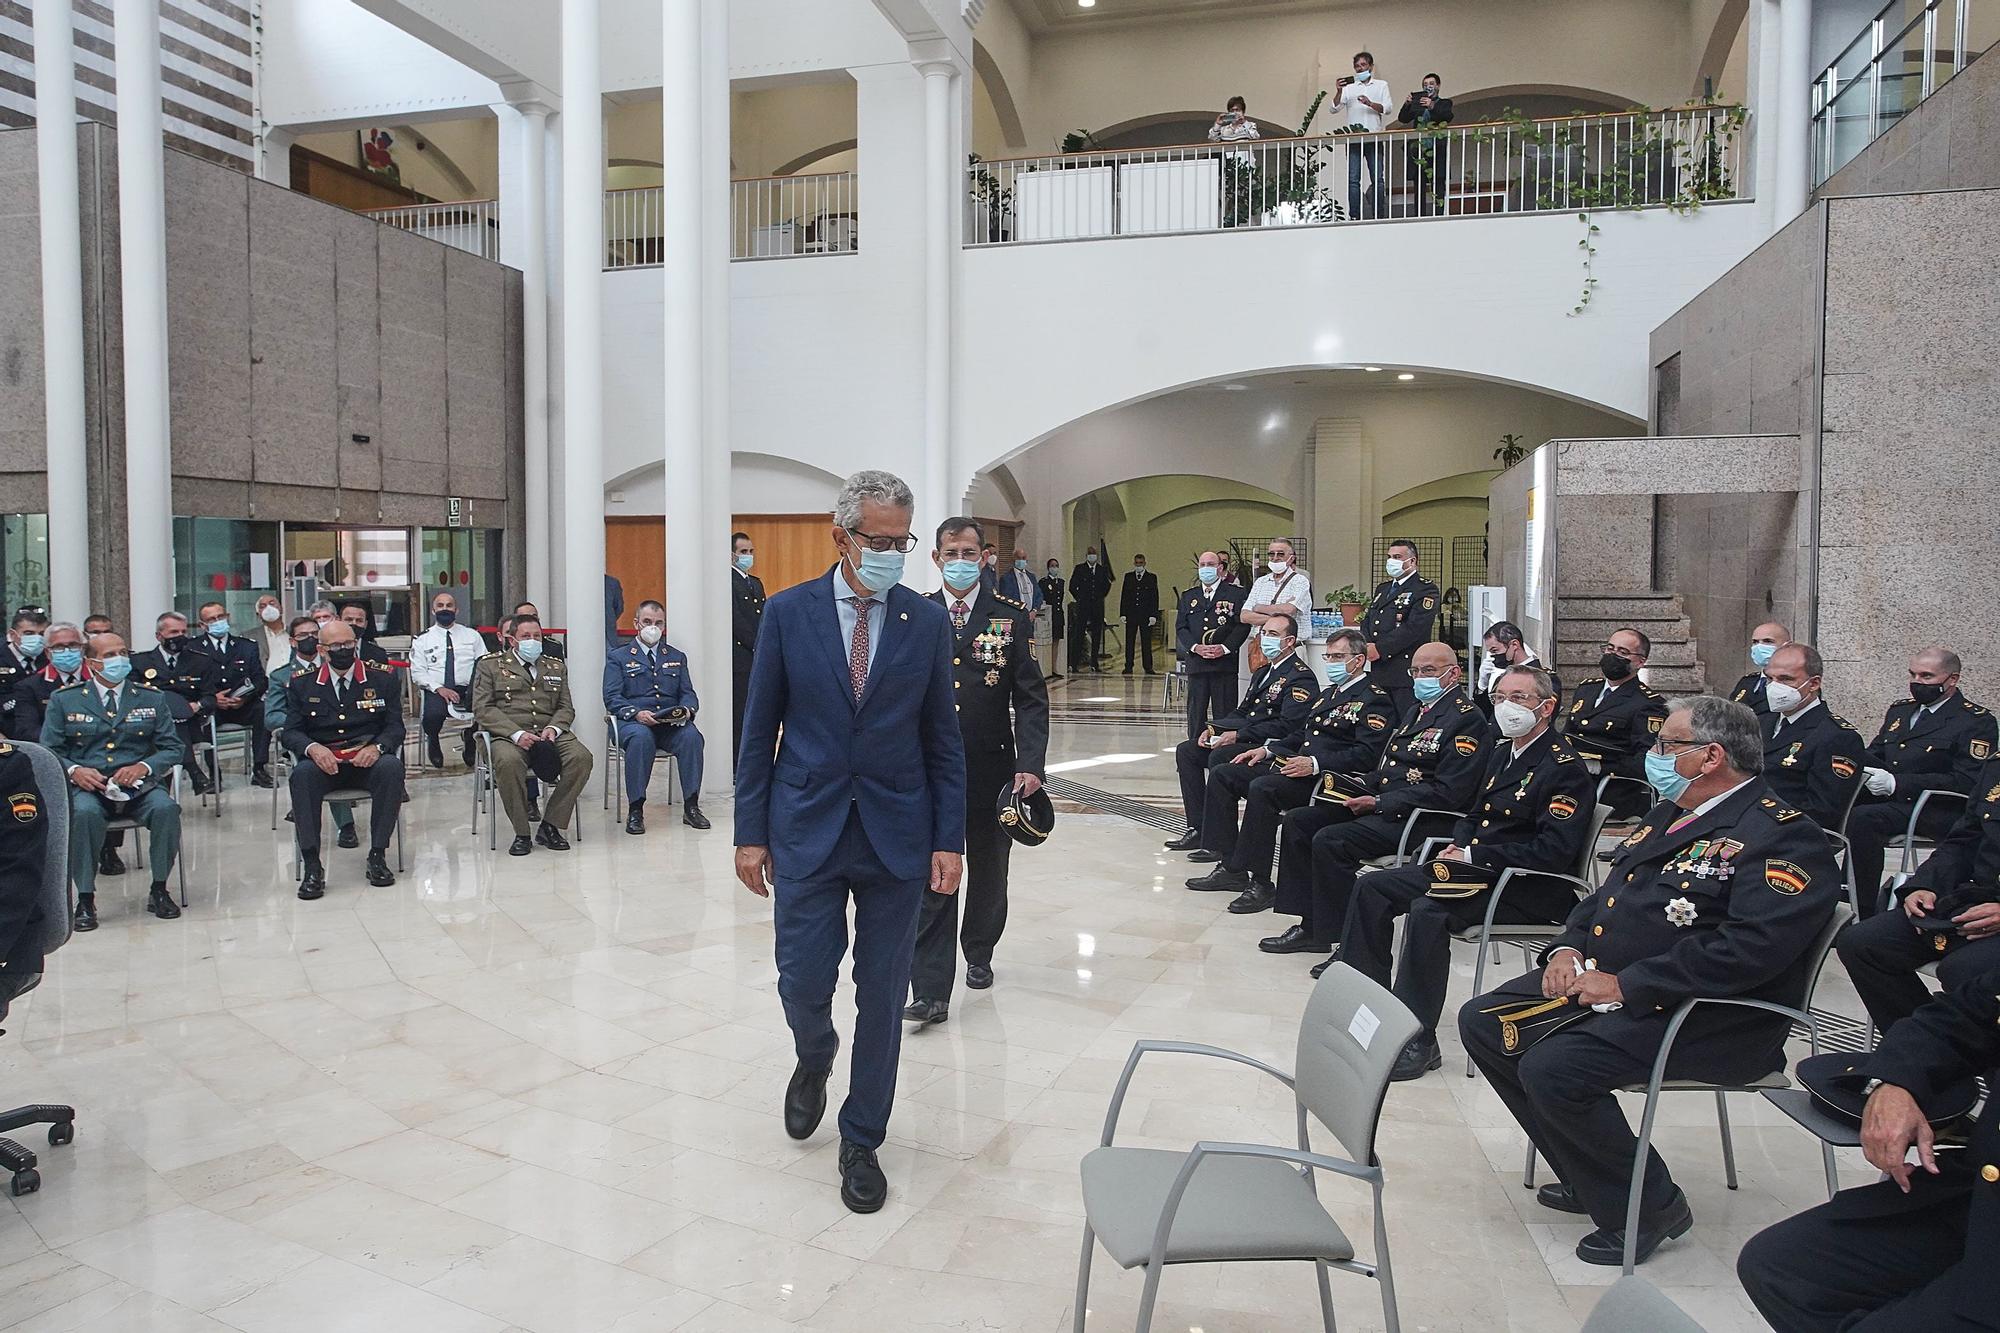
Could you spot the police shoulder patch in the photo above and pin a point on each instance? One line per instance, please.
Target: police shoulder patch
(1786, 878)
(1300, 696)
(25, 805)
(1653, 724)
(1981, 749)
(1562, 807)
(1843, 767)
(1378, 722)
(1430, 603)
(1466, 745)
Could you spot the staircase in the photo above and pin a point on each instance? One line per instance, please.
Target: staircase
(1582, 623)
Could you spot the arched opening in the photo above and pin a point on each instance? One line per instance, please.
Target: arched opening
(1537, 101)
(993, 97)
(836, 156)
(1163, 129)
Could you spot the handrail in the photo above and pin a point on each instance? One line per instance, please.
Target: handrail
(1863, 90)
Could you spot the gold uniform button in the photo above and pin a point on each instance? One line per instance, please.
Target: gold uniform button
(1597, 930)
(1989, 1173)
(1611, 902)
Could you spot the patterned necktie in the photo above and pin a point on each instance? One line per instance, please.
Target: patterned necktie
(960, 613)
(857, 649)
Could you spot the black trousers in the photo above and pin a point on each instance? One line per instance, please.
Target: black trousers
(1138, 635)
(384, 781)
(1874, 822)
(1298, 828)
(1256, 843)
(981, 896)
(437, 713)
(1089, 638)
(1883, 953)
(1832, 1269)
(1193, 762)
(739, 692)
(1210, 695)
(1228, 785)
(251, 717)
(1424, 968)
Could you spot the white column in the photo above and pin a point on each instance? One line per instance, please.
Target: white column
(1794, 130)
(941, 212)
(62, 312)
(534, 259)
(142, 259)
(712, 669)
(583, 339)
(1762, 24)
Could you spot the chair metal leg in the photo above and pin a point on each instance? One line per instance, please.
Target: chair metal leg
(1148, 1296)
(1528, 1171)
(1832, 1174)
(1325, 1296)
(1083, 1277)
(181, 872)
(1479, 953)
(1728, 1144)
(401, 869)
(1639, 1159)
(1390, 1322)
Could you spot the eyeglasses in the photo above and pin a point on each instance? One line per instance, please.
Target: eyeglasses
(1529, 701)
(882, 545)
(1660, 746)
(1629, 654)
(1431, 673)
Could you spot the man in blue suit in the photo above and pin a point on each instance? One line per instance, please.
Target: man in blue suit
(864, 798)
(648, 689)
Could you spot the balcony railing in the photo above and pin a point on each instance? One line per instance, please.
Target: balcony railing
(1636, 159)
(1906, 53)
(470, 225)
(771, 217)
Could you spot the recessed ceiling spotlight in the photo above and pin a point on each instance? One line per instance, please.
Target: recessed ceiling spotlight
(1406, 375)
(1235, 388)
(1373, 370)
(1086, 4)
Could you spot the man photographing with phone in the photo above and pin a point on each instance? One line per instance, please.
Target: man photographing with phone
(1364, 102)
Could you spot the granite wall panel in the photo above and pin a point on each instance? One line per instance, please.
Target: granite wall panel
(1950, 142)
(212, 383)
(476, 365)
(415, 385)
(357, 318)
(22, 423)
(294, 413)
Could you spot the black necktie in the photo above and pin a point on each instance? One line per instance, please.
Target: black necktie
(340, 692)
(450, 662)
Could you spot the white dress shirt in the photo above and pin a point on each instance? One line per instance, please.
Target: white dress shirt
(1375, 90)
(1298, 594)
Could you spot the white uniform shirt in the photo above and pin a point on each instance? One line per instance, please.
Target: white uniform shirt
(427, 656)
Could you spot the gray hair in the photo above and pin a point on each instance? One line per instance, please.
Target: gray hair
(1545, 685)
(885, 488)
(68, 625)
(1714, 721)
(160, 620)
(1352, 640)
(322, 605)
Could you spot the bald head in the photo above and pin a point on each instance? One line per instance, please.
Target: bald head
(1771, 632)
(1435, 661)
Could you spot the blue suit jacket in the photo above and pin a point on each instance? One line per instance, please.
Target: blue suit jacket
(896, 754)
(630, 685)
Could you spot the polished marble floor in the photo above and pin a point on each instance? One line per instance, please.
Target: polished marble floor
(543, 1094)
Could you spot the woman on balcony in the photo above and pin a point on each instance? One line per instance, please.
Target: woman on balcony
(1239, 173)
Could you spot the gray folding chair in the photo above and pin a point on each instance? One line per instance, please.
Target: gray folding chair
(486, 797)
(122, 822)
(1910, 842)
(1225, 1202)
(353, 798)
(1634, 1305)
(1837, 838)
(614, 768)
(53, 892)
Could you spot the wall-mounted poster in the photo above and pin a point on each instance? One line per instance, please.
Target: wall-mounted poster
(378, 153)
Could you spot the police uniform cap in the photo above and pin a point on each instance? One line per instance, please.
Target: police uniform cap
(1027, 819)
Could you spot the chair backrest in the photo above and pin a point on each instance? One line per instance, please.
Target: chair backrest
(1349, 1039)
(1586, 861)
(1822, 948)
(1634, 1305)
(53, 785)
(1847, 810)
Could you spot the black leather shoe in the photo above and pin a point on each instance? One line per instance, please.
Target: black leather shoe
(805, 1100)
(1202, 856)
(379, 873)
(978, 976)
(551, 837)
(1559, 1197)
(863, 1187)
(635, 818)
(110, 863)
(434, 754)
(692, 816)
(348, 837)
(1609, 854)
(1256, 898)
(534, 812)
(1418, 1057)
(1319, 968)
(199, 781)
(313, 883)
(521, 846)
(1606, 1246)
(1294, 939)
(1221, 880)
(926, 1013)
(1187, 842)
(85, 916)
(261, 777)
(161, 903)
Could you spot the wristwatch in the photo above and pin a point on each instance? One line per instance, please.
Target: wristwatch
(1868, 1088)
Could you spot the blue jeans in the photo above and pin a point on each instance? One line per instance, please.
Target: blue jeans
(1378, 184)
(640, 743)
(812, 939)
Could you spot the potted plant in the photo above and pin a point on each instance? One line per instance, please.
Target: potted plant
(992, 203)
(1511, 450)
(1348, 599)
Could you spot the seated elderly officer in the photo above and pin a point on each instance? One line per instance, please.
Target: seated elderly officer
(1349, 724)
(1812, 759)
(344, 724)
(1614, 716)
(1433, 761)
(648, 688)
(1935, 739)
(1719, 892)
(1280, 696)
(521, 698)
(1533, 813)
(118, 743)
(1950, 916)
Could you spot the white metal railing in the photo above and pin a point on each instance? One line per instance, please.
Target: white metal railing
(469, 225)
(1633, 159)
(771, 217)
(1906, 52)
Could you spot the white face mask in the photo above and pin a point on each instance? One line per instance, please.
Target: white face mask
(650, 634)
(1279, 567)
(1513, 720)
(1393, 567)
(1782, 697)
(268, 615)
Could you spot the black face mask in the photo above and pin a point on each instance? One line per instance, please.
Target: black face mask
(445, 618)
(1926, 695)
(1614, 667)
(307, 647)
(175, 643)
(340, 659)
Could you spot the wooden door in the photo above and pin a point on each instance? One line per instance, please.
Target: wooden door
(635, 553)
(791, 548)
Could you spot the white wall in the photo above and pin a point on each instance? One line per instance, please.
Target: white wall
(329, 61)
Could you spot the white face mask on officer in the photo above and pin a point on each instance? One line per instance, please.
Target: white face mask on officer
(1783, 698)
(651, 634)
(1514, 720)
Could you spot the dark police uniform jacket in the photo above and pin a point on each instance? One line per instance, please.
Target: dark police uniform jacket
(31, 699)
(1398, 621)
(23, 835)
(1090, 587)
(1944, 749)
(1966, 864)
(993, 673)
(1815, 764)
(79, 731)
(1749, 692)
(371, 715)
(1533, 813)
(635, 683)
(1347, 729)
(16, 671)
(1279, 700)
(1433, 760)
(190, 680)
(237, 662)
(1728, 904)
(1052, 586)
(1617, 731)
(746, 613)
(1203, 619)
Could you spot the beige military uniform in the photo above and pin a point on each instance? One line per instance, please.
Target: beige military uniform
(509, 697)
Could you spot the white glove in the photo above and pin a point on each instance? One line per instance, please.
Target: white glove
(1879, 781)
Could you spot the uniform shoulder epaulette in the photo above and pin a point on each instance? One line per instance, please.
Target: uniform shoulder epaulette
(1003, 597)
(1465, 705)
(1778, 809)
(6, 747)
(1586, 682)
(1840, 721)
(1977, 710)
(1562, 754)
(1649, 691)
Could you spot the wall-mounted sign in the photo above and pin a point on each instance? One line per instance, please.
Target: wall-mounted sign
(456, 513)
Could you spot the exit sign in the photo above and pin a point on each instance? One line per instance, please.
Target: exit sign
(457, 514)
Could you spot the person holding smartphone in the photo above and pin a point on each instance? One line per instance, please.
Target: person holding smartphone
(1428, 154)
(1364, 103)
(1234, 123)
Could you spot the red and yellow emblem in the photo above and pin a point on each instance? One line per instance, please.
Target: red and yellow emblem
(1562, 807)
(1786, 878)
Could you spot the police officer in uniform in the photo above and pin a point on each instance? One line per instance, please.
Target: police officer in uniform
(344, 727)
(23, 858)
(118, 744)
(1400, 616)
(522, 699)
(177, 666)
(66, 667)
(303, 659)
(1281, 696)
(240, 682)
(649, 691)
(746, 613)
(1533, 813)
(1433, 761)
(1209, 632)
(1090, 585)
(22, 656)
(1935, 739)
(993, 672)
(1812, 759)
(1720, 892)
(1765, 641)
(1614, 717)
(1052, 586)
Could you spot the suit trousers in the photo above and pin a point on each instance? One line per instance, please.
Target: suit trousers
(811, 923)
(1271, 795)
(1228, 785)
(641, 744)
(1883, 953)
(1835, 1268)
(384, 781)
(1210, 695)
(1138, 635)
(437, 713)
(1193, 762)
(1295, 867)
(1871, 826)
(1090, 638)
(739, 694)
(981, 896)
(511, 774)
(157, 812)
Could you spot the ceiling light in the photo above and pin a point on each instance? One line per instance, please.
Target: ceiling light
(1086, 4)
(1373, 370)
(1406, 375)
